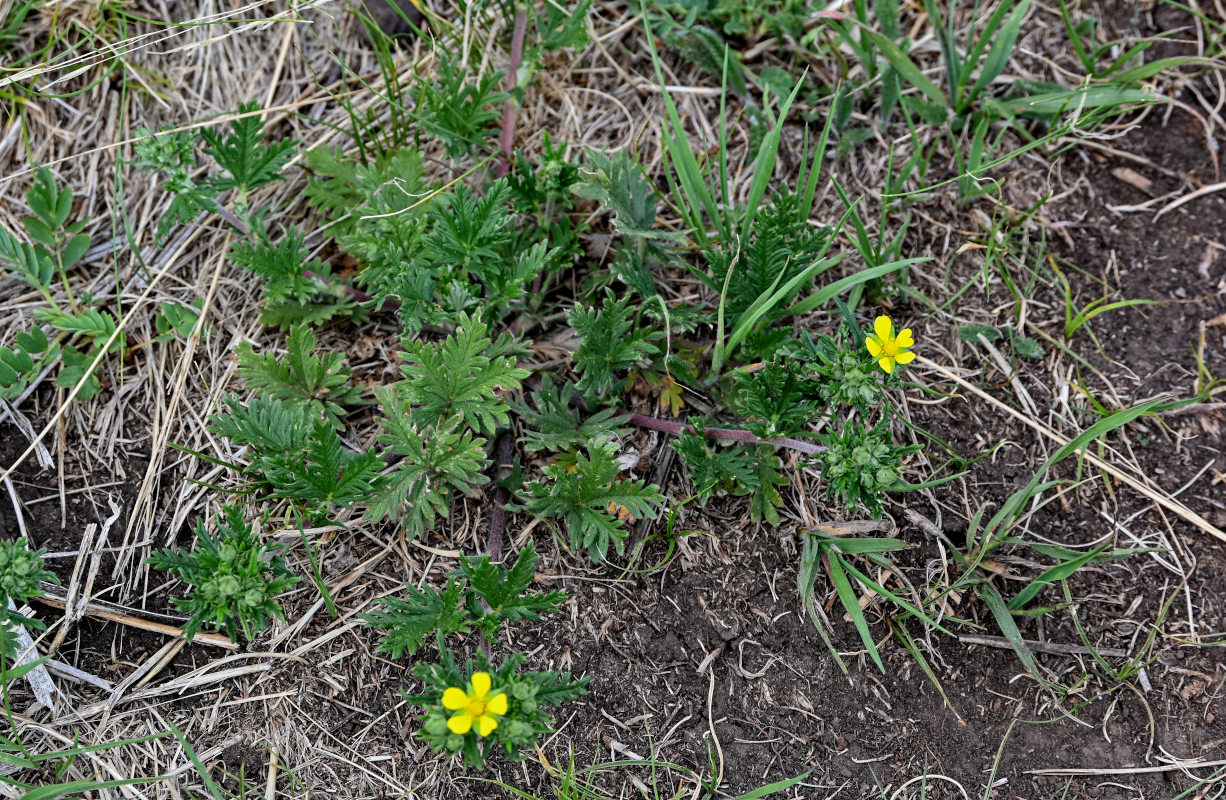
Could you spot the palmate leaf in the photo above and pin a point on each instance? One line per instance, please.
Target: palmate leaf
(266, 424)
(461, 375)
(470, 231)
(241, 152)
(556, 423)
(318, 383)
(767, 476)
(436, 461)
(325, 475)
(504, 589)
(455, 110)
(619, 185)
(282, 265)
(610, 341)
(711, 469)
(423, 612)
(583, 500)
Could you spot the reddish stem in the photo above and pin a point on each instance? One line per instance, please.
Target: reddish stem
(504, 462)
(675, 428)
(507, 140)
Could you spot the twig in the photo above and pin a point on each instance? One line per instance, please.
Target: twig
(53, 596)
(731, 434)
(80, 676)
(1055, 648)
(1182, 766)
(1187, 198)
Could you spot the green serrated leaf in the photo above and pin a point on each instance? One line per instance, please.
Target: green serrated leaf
(463, 375)
(423, 613)
(592, 501)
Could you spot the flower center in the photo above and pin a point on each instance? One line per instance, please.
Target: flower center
(889, 347)
(476, 708)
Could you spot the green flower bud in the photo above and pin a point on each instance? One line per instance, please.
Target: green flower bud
(517, 731)
(435, 725)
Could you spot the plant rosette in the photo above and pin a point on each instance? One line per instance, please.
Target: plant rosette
(477, 709)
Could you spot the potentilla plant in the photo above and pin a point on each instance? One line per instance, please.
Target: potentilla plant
(860, 462)
(21, 571)
(477, 710)
(235, 578)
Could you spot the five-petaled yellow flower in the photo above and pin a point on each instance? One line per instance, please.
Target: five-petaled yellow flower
(887, 348)
(474, 708)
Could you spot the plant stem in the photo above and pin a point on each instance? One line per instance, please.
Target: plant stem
(507, 140)
(234, 219)
(732, 434)
(504, 455)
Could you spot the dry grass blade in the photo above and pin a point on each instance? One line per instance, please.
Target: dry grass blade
(1143, 487)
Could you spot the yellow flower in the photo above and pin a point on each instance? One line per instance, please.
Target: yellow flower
(887, 348)
(474, 707)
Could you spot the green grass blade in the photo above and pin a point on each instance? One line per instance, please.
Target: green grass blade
(764, 165)
(1004, 620)
(1002, 49)
(769, 789)
(806, 576)
(769, 299)
(917, 655)
(853, 545)
(809, 181)
(828, 293)
(697, 192)
(1059, 572)
(1050, 103)
(892, 597)
(907, 68)
(203, 771)
(1093, 310)
(80, 787)
(1147, 71)
(851, 604)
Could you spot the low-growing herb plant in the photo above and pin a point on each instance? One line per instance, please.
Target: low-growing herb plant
(56, 247)
(21, 571)
(235, 578)
(469, 273)
(478, 710)
(479, 595)
(592, 500)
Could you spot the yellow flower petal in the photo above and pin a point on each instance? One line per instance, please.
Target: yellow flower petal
(874, 346)
(905, 339)
(883, 327)
(496, 704)
(486, 725)
(887, 364)
(454, 699)
(460, 723)
(905, 357)
(481, 684)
